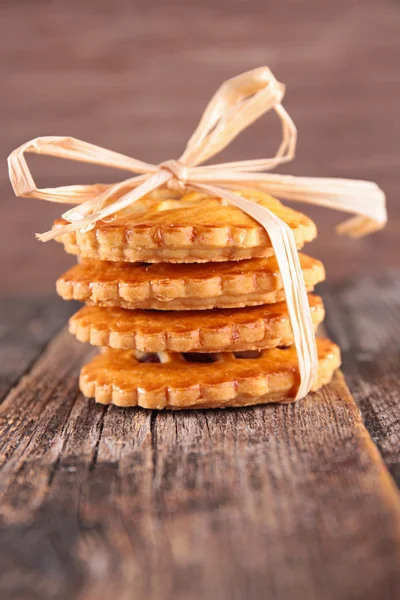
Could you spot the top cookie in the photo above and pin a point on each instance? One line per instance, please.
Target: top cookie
(168, 227)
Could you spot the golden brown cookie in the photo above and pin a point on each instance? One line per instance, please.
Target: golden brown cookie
(217, 330)
(164, 227)
(119, 377)
(182, 287)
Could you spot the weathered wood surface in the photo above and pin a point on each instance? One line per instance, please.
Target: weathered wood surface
(134, 76)
(25, 329)
(364, 319)
(284, 502)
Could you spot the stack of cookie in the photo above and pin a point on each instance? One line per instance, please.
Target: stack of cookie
(184, 295)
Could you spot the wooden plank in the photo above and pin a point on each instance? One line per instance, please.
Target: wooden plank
(277, 501)
(364, 318)
(26, 326)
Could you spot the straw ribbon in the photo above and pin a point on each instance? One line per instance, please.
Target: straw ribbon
(237, 104)
(180, 174)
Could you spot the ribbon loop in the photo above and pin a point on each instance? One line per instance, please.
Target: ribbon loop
(72, 149)
(237, 104)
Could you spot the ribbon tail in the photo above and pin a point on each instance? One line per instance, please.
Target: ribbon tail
(151, 183)
(359, 226)
(287, 257)
(362, 198)
(98, 202)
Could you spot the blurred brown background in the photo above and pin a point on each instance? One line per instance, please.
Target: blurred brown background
(134, 76)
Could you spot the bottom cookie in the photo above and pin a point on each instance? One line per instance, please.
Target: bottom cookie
(170, 380)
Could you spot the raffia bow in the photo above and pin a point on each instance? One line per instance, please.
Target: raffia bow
(237, 103)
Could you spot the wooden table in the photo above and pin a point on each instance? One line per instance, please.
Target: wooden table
(284, 502)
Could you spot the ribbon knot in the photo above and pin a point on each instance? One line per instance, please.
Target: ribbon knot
(238, 103)
(180, 174)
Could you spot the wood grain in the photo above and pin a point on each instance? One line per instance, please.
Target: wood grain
(364, 319)
(134, 76)
(25, 329)
(285, 502)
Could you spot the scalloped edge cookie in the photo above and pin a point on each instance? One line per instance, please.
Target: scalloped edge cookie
(116, 377)
(218, 330)
(194, 228)
(182, 287)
